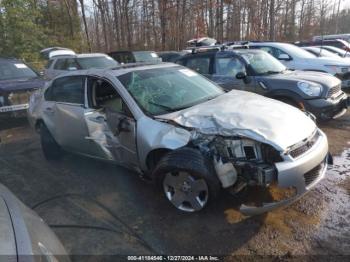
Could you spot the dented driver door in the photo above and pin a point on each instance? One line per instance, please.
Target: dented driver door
(123, 128)
(111, 126)
(112, 136)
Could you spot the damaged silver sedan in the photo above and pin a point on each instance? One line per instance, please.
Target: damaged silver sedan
(182, 131)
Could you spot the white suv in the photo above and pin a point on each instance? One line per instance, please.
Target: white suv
(62, 63)
(294, 57)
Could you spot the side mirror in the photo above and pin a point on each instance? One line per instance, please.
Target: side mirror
(72, 68)
(123, 126)
(284, 57)
(241, 75)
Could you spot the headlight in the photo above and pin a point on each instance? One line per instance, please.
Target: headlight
(310, 88)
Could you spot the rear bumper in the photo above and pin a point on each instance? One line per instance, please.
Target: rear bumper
(302, 173)
(326, 109)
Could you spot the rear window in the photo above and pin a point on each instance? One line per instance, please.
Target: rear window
(15, 70)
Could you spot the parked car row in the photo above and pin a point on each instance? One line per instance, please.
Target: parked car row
(313, 92)
(112, 108)
(257, 71)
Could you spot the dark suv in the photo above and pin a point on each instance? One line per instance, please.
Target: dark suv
(17, 82)
(259, 72)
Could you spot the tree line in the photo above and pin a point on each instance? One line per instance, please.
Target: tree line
(26, 26)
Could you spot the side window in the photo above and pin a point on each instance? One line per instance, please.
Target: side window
(103, 95)
(71, 63)
(268, 50)
(229, 66)
(278, 52)
(60, 64)
(68, 89)
(199, 64)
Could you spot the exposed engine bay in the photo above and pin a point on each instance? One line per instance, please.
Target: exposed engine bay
(240, 161)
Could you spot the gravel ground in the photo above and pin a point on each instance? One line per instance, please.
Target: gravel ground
(101, 209)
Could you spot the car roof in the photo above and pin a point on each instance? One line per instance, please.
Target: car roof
(10, 59)
(268, 43)
(120, 69)
(90, 55)
(127, 51)
(229, 51)
(80, 55)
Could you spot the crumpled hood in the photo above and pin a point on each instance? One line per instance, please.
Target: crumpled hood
(21, 84)
(249, 115)
(324, 79)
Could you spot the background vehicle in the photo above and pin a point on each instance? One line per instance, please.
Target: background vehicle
(339, 43)
(170, 56)
(17, 82)
(125, 57)
(183, 131)
(296, 58)
(336, 50)
(50, 52)
(23, 234)
(320, 52)
(202, 41)
(257, 71)
(345, 37)
(61, 63)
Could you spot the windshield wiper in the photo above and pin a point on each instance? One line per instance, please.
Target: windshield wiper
(195, 103)
(271, 72)
(167, 108)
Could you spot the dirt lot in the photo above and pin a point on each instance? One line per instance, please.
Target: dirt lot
(98, 208)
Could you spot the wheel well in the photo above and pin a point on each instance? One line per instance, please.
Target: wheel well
(154, 156)
(287, 100)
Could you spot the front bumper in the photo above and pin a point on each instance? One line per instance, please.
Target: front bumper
(301, 173)
(326, 109)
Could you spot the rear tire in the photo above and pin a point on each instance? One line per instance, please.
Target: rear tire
(51, 150)
(187, 179)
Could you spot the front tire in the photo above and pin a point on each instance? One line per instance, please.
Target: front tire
(51, 150)
(187, 179)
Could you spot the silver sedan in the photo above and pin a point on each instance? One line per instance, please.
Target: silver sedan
(182, 131)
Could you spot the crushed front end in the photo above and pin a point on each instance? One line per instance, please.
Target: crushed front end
(240, 162)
